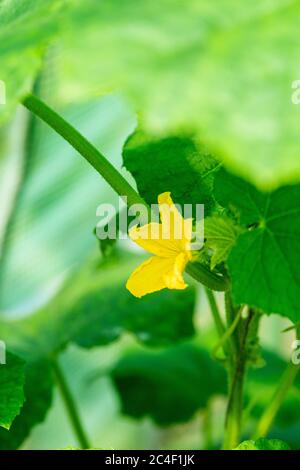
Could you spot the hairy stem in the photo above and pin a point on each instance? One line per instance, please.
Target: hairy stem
(207, 427)
(227, 334)
(84, 147)
(278, 398)
(236, 384)
(232, 344)
(70, 405)
(215, 311)
(231, 313)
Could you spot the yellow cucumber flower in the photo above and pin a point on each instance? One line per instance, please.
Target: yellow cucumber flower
(169, 242)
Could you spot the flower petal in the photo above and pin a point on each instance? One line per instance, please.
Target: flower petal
(174, 227)
(174, 278)
(150, 238)
(157, 273)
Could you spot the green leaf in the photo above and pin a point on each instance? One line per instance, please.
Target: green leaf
(220, 236)
(25, 30)
(38, 398)
(11, 389)
(172, 164)
(264, 263)
(224, 70)
(165, 317)
(168, 385)
(94, 309)
(263, 444)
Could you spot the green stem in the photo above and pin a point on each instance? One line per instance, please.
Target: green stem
(207, 427)
(233, 343)
(236, 381)
(85, 148)
(234, 412)
(231, 313)
(215, 311)
(227, 334)
(70, 405)
(278, 398)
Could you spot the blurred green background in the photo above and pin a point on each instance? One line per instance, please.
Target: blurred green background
(141, 371)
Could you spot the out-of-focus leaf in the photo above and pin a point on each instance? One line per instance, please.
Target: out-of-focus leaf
(264, 262)
(173, 164)
(26, 28)
(168, 385)
(224, 69)
(263, 444)
(95, 308)
(102, 316)
(51, 234)
(11, 389)
(38, 397)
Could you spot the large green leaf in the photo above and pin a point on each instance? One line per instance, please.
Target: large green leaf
(223, 69)
(264, 263)
(11, 389)
(172, 164)
(168, 385)
(264, 444)
(26, 27)
(38, 396)
(94, 308)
